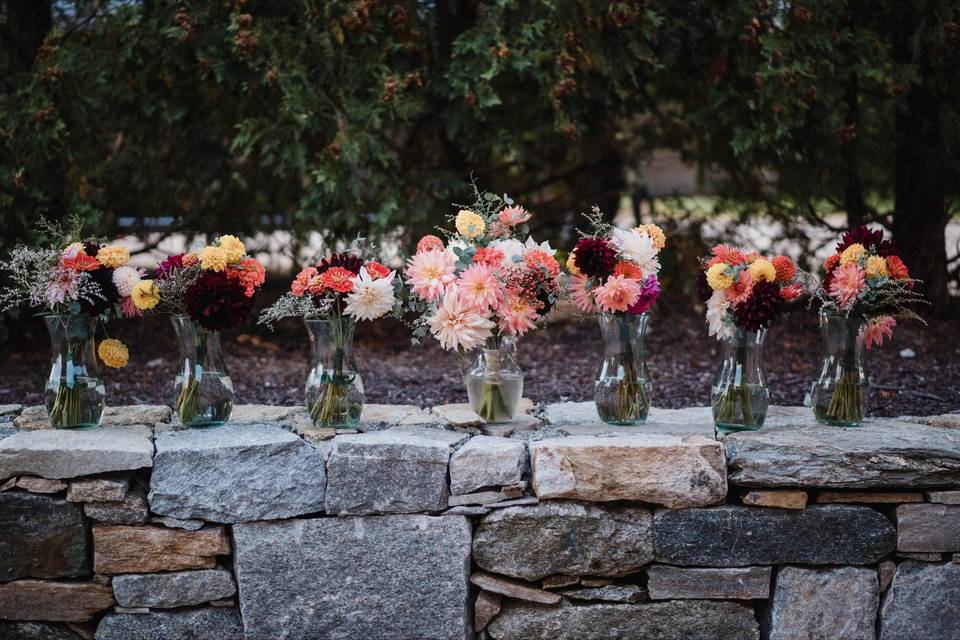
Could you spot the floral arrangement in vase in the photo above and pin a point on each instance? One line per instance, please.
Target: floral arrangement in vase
(744, 292)
(866, 288)
(330, 297)
(207, 290)
(483, 288)
(79, 285)
(614, 273)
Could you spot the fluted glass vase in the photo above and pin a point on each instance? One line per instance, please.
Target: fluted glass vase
(74, 394)
(334, 391)
(840, 394)
(203, 389)
(622, 387)
(495, 381)
(740, 395)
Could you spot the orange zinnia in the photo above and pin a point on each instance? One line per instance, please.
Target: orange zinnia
(338, 279)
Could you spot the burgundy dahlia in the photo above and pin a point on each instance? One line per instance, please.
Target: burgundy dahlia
(169, 265)
(348, 261)
(703, 289)
(759, 309)
(869, 238)
(110, 296)
(595, 257)
(217, 302)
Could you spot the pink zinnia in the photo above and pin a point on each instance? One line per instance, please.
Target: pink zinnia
(648, 295)
(582, 298)
(618, 294)
(431, 272)
(129, 309)
(513, 215)
(846, 284)
(517, 315)
(301, 284)
(480, 287)
(741, 289)
(877, 329)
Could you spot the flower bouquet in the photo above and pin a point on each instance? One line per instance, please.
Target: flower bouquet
(866, 288)
(330, 297)
(744, 292)
(206, 291)
(80, 284)
(485, 287)
(614, 272)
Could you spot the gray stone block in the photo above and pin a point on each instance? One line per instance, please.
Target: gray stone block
(923, 603)
(381, 577)
(737, 583)
(168, 590)
(928, 528)
(62, 453)
(236, 473)
(487, 461)
(41, 537)
(824, 603)
(189, 624)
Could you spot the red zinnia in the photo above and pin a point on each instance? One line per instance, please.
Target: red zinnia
(377, 270)
(81, 262)
(338, 279)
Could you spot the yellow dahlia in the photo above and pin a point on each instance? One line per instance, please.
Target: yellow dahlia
(852, 254)
(113, 353)
(469, 224)
(876, 267)
(762, 270)
(145, 295)
(233, 247)
(113, 256)
(572, 264)
(213, 258)
(655, 232)
(717, 277)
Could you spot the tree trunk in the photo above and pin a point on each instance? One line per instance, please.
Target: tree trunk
(853, 189)
(23, 26)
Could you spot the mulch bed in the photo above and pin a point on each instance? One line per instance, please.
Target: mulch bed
(559, 364)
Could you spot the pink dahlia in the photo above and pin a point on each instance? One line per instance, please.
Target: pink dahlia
(63, 286)
(512, 216)
(617, 294)
(431, 272)
(429, 243)
(791, 291)
(489, 256)
(648, 295)
(847, 283)
(741, 289)
(457, 324)
(301, 284)
(726, 253)
(877, 330)
(479, 286)
(582, 298)
(517, 315)
(129, 309)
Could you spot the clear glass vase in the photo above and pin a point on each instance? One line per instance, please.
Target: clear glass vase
(622, 387)
(740, 395)
(334, 392)
(203, 389)
(495, 381)
(74, 394)
(840, 394)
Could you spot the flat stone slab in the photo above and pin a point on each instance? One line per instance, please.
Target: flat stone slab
(739, 583)
(564, 538)
(928, 528)
(236, 473)
(513, 588)
(883, 453)
(63, 453)
(922, 602)
(168, 590)
(674, 471)
(41, 537)
(98, 490)
(50, 601)
(190, 624)
(147, 414)
(734, 536)
(119, 549)
(824, 603)
(130, 510)
(376, 417)
(674, 620)
(35, 631)
(400, 470)
(487, 461)
(382, 577)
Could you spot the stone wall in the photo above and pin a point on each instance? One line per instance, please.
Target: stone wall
(431, 525)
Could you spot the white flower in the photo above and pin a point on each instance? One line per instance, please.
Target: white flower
(543, 246)
(512, 251)
(717, 316)
(370, 298)
(125, 279)
(457, 324)
(638, 248)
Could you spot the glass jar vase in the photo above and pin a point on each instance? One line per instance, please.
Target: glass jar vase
(334, 391)
(740, 395)
(622, 387)
(202, 388)
(74, 394)
(495, 381)
(840, 393)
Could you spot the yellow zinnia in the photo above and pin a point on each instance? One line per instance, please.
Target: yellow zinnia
(762, 270)
(572, 264)
(717, 277)
(853, 253)
(145, 295)
(113, 256)
(469, 224)
(113, 353)
(213, 258)
(655, 232)
(233, 247)
(876, 267)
